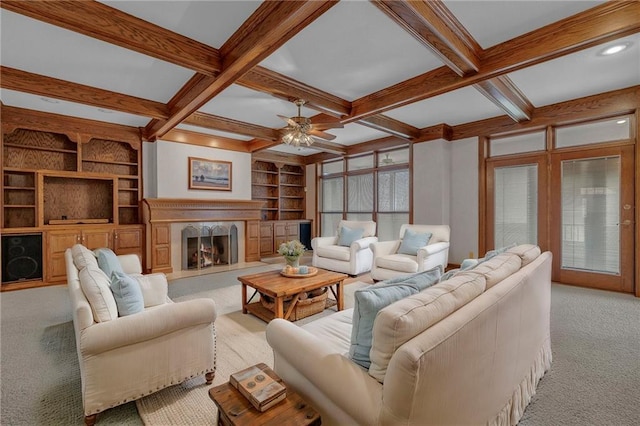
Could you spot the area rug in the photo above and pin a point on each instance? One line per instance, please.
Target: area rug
(240, 343)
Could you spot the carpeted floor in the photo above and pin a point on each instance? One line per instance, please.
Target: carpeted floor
(594, 378)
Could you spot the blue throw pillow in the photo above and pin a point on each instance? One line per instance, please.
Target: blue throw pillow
(108, 261)
(493, 253)
(369, 300)
(412, 241)
(468, 264)
(127, 293)
(349, 235)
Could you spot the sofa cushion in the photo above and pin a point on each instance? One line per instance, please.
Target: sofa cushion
(527, 252)
(369, 300)
(398, 262)
(154, 288)
(334, 252)
(497, 268)
(127, 293)
(412, 241)
(348, 235)
(108, 261)
(96, 287)
(82, 256)
(469, 264)
(400, 322)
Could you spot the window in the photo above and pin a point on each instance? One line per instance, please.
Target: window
(380, 193)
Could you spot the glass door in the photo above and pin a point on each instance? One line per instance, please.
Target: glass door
(592, 218)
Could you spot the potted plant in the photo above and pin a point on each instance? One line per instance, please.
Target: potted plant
(291, 251)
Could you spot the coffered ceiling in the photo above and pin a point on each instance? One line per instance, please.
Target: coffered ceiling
(218, 73)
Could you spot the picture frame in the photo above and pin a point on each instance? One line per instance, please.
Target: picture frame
(209, 174)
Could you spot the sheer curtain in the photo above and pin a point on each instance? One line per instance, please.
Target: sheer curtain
(393, 203)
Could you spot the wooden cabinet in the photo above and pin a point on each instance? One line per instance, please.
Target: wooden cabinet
(266, 238)
(285, 231)
(122, 240)
(281, 187)
(74, 180)
(274, 233)
(252, 241)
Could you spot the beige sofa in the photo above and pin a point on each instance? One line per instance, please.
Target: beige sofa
(125, 358)
(469, 350)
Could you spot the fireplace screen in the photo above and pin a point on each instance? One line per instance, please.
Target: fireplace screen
(208, 246)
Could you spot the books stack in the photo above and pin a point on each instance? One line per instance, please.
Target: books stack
(262, 390)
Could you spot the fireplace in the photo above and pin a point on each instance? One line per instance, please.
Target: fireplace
(205, 246)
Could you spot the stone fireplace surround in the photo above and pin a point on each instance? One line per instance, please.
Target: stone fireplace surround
(164, 218)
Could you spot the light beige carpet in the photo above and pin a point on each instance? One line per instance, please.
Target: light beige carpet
(240, 344)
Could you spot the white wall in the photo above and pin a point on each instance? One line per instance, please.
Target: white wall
(149, 170)
(172, 169)
(445, 191)
(431, 183)
(464, 199)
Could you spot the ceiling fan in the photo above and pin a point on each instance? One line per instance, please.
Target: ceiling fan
(387, 160)
(302, 130)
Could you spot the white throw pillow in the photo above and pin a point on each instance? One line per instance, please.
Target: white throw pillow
(96, 287)
(83, 257)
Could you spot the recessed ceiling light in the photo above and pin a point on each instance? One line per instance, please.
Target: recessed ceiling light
(613, 49)
(49, 100)
(106, 111)
(621, 121)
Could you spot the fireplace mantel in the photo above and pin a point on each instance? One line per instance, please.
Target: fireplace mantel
(159, 213)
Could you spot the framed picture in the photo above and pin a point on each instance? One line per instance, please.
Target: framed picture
(209, 174)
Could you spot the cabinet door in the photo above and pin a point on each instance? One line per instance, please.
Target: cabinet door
(97, 238)
(266, 239)
(56, 244)
(280, 233)
(128, 240)
(252, 245)
(293, 231)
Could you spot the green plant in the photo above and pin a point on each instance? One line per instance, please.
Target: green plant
(291, 248)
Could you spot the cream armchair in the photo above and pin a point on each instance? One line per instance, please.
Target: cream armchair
(123, 358)
(353, 259)
(388, 263)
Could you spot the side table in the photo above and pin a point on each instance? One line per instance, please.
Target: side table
(234, 409)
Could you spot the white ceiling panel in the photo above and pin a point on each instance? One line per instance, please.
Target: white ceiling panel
(493, 22)
(38, 103)
(580, 74)
(452, 108)
(55, 52)
(352, 50)
(209, 22)
(355, 133)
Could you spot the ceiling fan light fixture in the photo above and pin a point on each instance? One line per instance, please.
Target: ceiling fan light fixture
(297, 132)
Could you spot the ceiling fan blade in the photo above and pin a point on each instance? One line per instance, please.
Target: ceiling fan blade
(324, 121)
(288, 120)
(321, 134)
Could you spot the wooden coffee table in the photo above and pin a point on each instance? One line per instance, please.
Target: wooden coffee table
(278, 287)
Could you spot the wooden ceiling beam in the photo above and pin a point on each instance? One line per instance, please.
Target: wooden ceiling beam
(505, 94)
(202, 139)
(595, 26)
(433, 25)
(389, 125)
(268, 28)
(376, 144)
(283, 87)
(97, 20)
(605, 104)
(22, 81)
(432, 133)
(215, 122)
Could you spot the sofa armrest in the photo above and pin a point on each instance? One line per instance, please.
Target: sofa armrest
(358, 394)
(430, 250)
(150, 324)
(323, 241)
(383, 248)
(362, 243)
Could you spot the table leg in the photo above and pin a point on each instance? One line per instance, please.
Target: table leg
(340, 295)
(244, 298)
(279, 308)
